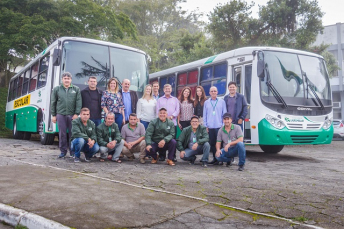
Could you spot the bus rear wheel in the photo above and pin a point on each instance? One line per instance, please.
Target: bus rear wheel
(16, 134)
(46, 139)
(271, 148)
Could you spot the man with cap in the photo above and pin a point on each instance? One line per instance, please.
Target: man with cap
(194, 140)
(65, 106)
(160, 136)
(232, 138)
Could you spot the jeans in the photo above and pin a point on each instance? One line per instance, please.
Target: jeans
(96, 121)
(170, 146)
(145, 124)
(238, 149)
(80, 145)
(119, 120)
(201, 149)
(116, 151)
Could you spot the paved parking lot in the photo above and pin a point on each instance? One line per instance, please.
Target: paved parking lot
(302, 183)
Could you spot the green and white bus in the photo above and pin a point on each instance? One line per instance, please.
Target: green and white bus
(28, 104)
(288, 92)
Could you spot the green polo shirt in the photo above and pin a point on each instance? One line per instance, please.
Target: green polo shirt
(234, 134)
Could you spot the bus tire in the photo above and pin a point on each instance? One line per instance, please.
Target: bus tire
(45, 139)
(27, 136)
(271, 148)
(17, 134)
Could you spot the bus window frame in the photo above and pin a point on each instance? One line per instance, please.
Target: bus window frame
(27, 71)
(31, 68)
(213, 79)
(40, 72)
(20, 86)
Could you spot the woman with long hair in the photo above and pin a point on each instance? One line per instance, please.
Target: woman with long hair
(186, 108)
(112, 101)
(146, 106)
(200, 98)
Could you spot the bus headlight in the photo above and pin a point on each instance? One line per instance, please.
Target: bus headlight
(327, 124)
(276, 122)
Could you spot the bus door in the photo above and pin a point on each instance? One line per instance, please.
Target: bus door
(242, 75)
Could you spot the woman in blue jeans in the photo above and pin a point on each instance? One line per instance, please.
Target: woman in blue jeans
(146, 107)
(112, 101)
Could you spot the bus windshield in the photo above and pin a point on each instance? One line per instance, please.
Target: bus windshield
(83, 60)
(299, 79)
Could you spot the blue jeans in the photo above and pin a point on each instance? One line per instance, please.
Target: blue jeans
(145, 124)
(238, 149)
(96, 121)
(119, 120)
(80, 145)
(201, 149)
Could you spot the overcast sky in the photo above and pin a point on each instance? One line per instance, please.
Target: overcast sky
(333, 9)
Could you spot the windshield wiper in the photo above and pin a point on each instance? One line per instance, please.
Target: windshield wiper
(274, 91)
(313, 91)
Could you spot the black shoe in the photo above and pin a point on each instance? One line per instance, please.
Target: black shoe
(213, 162)
(241, 168)
(229, 163)
(192, 160)
(174, 159)
(204, 164)
(218, 163)
(62, 155)
(161, 158)
(87, 159)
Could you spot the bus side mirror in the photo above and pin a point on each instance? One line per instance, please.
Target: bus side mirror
(260, 69)
(56, 57)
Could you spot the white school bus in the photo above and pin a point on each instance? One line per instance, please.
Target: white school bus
(28, 103)
(288, 92)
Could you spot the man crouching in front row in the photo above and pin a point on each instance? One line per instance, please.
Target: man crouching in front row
(84, 136)
(109, 139)
(194, 140)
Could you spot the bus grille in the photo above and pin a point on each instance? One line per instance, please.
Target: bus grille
(303, 138)
(299, 126)
(313, 126)
(295, 126)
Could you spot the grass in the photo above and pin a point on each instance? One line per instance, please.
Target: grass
(4, 132)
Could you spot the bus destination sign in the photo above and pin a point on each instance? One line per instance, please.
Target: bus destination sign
(23, 101)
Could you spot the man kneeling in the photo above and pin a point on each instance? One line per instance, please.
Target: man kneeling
(109, 139)
(84, 136)
(159, 137)
(192, 141)
(231, 136)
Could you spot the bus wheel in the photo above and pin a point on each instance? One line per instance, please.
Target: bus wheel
(46, 139)
(27, 136)
(271, 148)
(17, 134)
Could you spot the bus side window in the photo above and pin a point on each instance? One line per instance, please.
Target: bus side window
(26, 81)
(43, 71)
(215, 75)
(20, 85)
(10, 92)
(248, 80)
(188, 79)
(33, 79)
(15, 85)
(167, 80)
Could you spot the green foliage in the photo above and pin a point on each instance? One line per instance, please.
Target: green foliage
(286, 23)
(4, 132)
(331, 63)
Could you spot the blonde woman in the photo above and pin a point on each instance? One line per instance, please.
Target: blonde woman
(146, 107)
(112, 101)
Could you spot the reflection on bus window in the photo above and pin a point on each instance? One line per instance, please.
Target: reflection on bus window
(215, 75)
(33, 79)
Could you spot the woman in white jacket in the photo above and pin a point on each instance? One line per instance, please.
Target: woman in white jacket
(146, 107)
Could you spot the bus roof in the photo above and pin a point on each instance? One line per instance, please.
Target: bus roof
(81, 39)
(223, 56)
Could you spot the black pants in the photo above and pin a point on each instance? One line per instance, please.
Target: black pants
(185, 124)
(212, 139)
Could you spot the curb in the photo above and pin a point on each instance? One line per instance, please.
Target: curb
(14, 216)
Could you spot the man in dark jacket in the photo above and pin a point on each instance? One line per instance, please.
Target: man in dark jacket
(91, 98)
(65, 107)
(236, 104)
(160, 136)
(129, 99)
(84, 137)
(194, 140)
(109, 139)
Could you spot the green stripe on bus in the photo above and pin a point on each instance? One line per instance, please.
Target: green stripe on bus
(210, 59)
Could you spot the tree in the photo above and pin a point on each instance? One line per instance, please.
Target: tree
(28, 26)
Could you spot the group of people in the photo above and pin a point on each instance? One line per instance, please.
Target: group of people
(148, 125)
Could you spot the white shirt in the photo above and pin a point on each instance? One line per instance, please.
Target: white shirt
(146, 110)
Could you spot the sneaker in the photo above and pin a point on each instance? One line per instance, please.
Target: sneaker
(87, 159)
(192, 161)
(241, 168)
(142, 161)
(204, 164)
(62, 155)
(76, 160)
